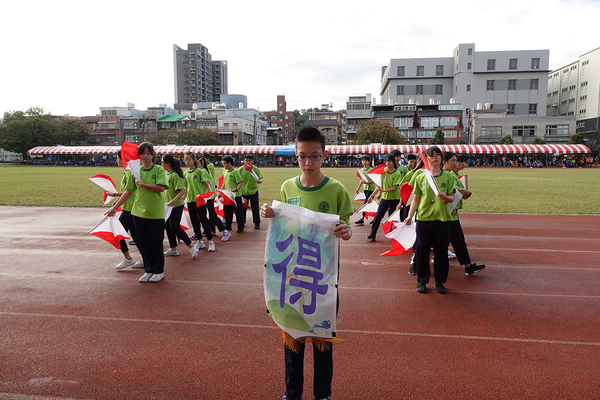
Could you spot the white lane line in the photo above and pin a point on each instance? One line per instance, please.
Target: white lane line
(272, 327)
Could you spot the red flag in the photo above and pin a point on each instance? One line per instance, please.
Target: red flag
(245, 203)
(201, 198)
(131, 158)
(184, 223)
(370, 209)
(105, 183)
(227, 197)
(428, 173)
(405, 192)
(219, 207)
(375, 174)
(249, 168)
(423, 159)
(403, 239)
(221, 182)
(111, 230)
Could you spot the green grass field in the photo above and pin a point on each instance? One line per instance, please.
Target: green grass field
(518, 190)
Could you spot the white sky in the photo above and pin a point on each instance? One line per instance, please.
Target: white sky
(72, 57)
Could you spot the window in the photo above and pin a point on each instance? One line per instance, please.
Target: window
(555, 93)
(583, 97)
(420, 70)
(490, 85)
(430, 122)
(439, 89)
(512, 84)
(495, 131)
(585, 63)
(286, 117)
(439, 70)
(571, 101)
(582, 111)
(564, 90)
(491, 64)
(573, 67)
(583, 84)
(400, 90)
(533, 84)
(403, 122)
(450, 134)
(468, 88)
(572, 87)
(557, 129)
(419, 89)
(533, 109)
(510, 109)
(469, 52)
(400, 71)
(512, 63)
(449, 121)
(523, 130)
(571, 113)
(562, 103)
(535, 63)
(468, 65)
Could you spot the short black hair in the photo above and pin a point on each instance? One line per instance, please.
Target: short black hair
(391, 157)
(227, 159)
(206, 154)
(366, 158)
(250, 156)
(145, 145)
(447, 156)
(310, 134)
(411, 157)
(461, 158)
(397, 153)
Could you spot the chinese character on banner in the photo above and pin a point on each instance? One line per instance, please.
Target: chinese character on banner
(301, 271)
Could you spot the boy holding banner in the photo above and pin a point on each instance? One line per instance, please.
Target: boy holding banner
(317, 192)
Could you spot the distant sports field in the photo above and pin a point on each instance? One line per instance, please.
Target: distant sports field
(495, 190)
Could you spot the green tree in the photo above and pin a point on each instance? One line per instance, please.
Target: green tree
(438, 138)
(20, 131)
(577, 139)
(377, 131)
(71, 132)
(506, 140)
(539, 140)
(194, 137)
(300, 117)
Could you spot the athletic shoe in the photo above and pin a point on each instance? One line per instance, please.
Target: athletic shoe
(171, 252)
(371, 237)
(287, 398)
(256, 226)
(240, 230)
(451, 254)
(157, 277)
(225, 237)
(201, 244)
(421, 287)
(474, 268)
(372, 221)
(194, 251)
(125, 263)
(413, 269)
(360, 222)
(441, 289)
(146, 277)
(193, 237)
(139, 264)
(211, 245)
(132, 243)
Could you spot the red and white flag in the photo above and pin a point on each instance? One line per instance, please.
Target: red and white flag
(427, 172)
(105, 183)
(219, 207)
(249, 168)
(111, 230)
(360, 197)
(227, 197)
(375, 174)
(370, 209)
(245, 203)
(406, 193)
(184, 222)
(201, 198)
(361, 175)
(221, 182)
(403, 238)
(388, 223)
(131, 158)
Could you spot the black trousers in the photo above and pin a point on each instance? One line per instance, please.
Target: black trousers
(198, 217)
(255, 206)
(240, 213)
(368, 194)
(174, 229)
(150, 233)
(228, 211)
(126, 219)
(384, 205)
(457, 239)
(432, 234)
(294, 372)
(213, 218)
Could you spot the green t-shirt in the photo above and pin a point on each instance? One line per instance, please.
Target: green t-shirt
(459, 206)
(128, 205)
(148, 203)
(408, 176)
(250, 185)
(330, 197)
(430, 207)
(213, 174)
(195, 181)
(388, 180)
(232, 179)
(370, 186)
(402, 169)
(176, 183)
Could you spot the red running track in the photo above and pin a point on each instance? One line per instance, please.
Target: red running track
(73, 327)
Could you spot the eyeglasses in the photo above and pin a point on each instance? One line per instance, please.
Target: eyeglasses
(304, 158)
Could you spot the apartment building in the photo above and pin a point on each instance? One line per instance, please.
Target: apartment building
(331, 123)
(281, 122)
(358, 110)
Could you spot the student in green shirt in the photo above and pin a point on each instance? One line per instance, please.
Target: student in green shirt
(433, 216)
(233, 181)
(389, 193)
(317, 192)
(249, 189)
(368, 186)
(148, 212)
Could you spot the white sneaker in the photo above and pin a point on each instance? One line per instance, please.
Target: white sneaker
(157, 277)
(171, 252)
(146, 277)
(211, 245)
(225, 237)
(451, 254)
(125, 263)
(201, 244)
(194, 251)
(139, 264)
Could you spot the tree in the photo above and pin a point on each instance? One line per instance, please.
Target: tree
(193, 137)
(20, 131)
(576, 139)
(300, 117)
(506, 140)
(539, 140)
(438, 138)
(377, 131)
(70, 132)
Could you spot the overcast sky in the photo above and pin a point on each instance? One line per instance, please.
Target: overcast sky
(72, 57)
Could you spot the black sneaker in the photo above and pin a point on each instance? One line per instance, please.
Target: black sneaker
(360, 222)
(421, 287)
(474, 268)
(371, 222)
(371, 237)
(256, 226)
(413, 269)
(441, 289)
